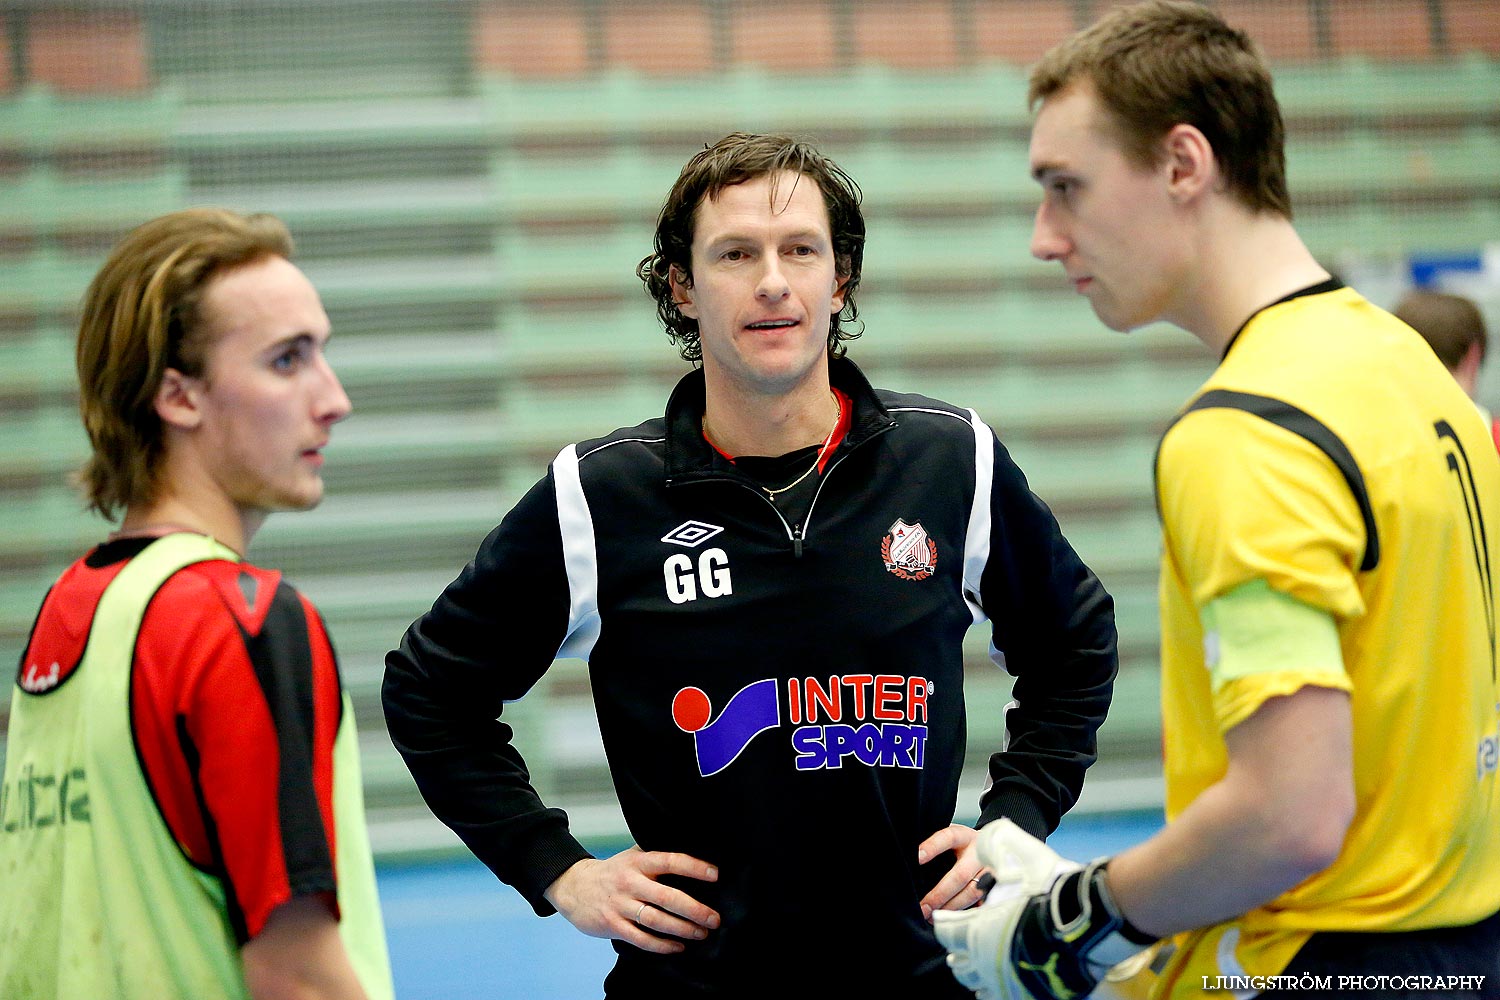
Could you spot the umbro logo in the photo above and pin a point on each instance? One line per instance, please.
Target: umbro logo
(691, 534)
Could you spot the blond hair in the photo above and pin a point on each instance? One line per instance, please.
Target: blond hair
(141, 317)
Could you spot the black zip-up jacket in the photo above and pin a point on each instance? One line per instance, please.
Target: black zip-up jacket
(781, 697)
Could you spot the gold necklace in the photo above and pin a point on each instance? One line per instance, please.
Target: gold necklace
(837, 419)
(838, 416)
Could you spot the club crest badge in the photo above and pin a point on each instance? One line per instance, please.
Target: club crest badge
(38, 680)
(908, 552)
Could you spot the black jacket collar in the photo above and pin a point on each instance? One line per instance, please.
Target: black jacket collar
(690, 456)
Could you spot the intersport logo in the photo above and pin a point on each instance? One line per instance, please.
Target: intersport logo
(877, 720)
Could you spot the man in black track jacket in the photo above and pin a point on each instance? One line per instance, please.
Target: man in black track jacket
(771, 585)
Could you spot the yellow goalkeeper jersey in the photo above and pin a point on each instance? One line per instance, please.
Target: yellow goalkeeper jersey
(1332, 457)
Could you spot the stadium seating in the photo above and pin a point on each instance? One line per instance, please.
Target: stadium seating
(42, 121)
(87, 51)
(621, 337)
(866, 99)
(1462, 89)
(1458, 162)
(84, 154)
(785, 35)
(471, 187)
(1392, 231)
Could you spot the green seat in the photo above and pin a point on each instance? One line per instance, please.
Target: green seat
(983, 250)
(25, 199)
(38, 365)
(902, 331)
(620, 335)
(1120, 547)
(1137, 610)
(49, 526)
(985, 97)
(618, 183)
(356, 603)
(610, 146)
(374, 123)
(1395, 230)
(47, 440)
(1381, 163)
(588, 262)
(1024, 401)
(43, 123)
(920, 332)
(1107, 472)
(1335, 163)
(415, 451)
(1135, 709)
(538, 420)
(972, 173)
(619, 103)
(1041, 324)
(599, 107)
(1051, 322)
(335, 205)
(1134, 719)
(385, 373)
(21, 594)
(353, 283)
(369, 531)
(114, 203)
(1467, 87)
(46, 202)
(45, 282)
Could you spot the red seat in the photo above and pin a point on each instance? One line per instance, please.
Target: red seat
(659, 38)
(916, 34)
(1382, 29)
(530, 39)
(1472, 26)
(784, 34)
(1284, 29)
(7, 75)
(88, 52)
(1019, 31)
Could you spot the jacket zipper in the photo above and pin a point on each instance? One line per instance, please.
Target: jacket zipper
(797, 533)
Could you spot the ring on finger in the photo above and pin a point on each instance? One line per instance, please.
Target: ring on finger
(641, 909)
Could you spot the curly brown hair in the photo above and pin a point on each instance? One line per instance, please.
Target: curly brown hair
(735, 159)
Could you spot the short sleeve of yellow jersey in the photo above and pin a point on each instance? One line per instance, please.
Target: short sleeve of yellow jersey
(1245, 501)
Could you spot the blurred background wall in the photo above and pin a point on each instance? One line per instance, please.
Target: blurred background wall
(471, 182)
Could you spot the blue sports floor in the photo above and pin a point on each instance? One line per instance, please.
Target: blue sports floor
(457, 932)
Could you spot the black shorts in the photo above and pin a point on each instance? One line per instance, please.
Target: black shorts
(1410, 962)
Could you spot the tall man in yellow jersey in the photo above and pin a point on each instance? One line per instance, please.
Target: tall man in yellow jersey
(1330, 504)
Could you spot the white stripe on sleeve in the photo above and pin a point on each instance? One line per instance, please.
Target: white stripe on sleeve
(977, 541)
(579, 556)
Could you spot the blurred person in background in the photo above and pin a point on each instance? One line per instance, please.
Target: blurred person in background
(182, 815)
(771, 585)
(1330, 505)
(1454, 326)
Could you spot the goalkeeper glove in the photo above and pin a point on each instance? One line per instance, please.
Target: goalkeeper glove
(1048, 930)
